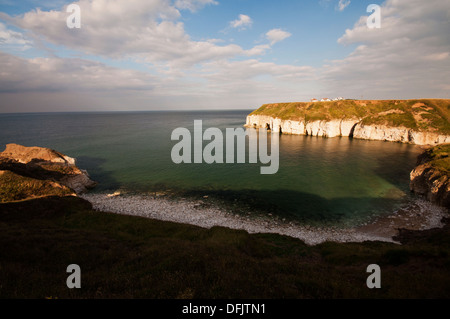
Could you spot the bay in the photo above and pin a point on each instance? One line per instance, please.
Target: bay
(332, 181)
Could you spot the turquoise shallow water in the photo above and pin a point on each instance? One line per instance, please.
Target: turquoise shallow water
(320, 180)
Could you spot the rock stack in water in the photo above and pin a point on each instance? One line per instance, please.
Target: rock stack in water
(29, 172)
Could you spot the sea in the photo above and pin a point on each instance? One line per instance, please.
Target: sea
(320, 181)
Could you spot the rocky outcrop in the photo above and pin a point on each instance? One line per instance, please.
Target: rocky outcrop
(430, 177)
(43, 164)
(352, 127)
(23, 154)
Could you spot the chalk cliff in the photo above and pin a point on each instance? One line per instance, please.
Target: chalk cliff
(347, 128)
(414, 122)
(330, 128)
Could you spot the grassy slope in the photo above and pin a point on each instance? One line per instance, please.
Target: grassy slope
(438, 157)
(125, 257)
(16, 187)
(424, 115)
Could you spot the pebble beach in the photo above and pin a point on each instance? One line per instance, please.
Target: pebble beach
(420, 215)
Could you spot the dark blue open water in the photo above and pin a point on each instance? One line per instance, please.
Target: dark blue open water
(332, 180)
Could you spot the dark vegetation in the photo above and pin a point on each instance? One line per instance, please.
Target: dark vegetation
(132, 257)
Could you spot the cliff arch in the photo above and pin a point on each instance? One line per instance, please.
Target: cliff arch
(352, 131)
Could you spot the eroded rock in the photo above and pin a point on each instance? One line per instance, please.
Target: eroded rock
(430, 177)
(45, 164)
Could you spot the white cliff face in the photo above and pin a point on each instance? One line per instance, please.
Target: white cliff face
(348, 127)
(382, 133)
(259, 121)
(426, 138)
(293, 127)
(399, 134)
(317, 128)
(324, 128)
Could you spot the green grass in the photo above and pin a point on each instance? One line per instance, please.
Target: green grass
(438, 157)
(421, 115)
(397, 120)
(132, 257)
(14, 187)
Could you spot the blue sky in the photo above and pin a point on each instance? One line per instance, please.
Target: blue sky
(315, 27)
(218, 54)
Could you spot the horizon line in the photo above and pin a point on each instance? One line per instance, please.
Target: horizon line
(127, 111)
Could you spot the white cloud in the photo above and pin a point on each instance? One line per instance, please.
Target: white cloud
(78, 84)
(55, 84)
(258, 50)
(147, 30)
(150, 32)
(250, 83)
(408, 57)
(230, 71)
(438, 56)
(343, 4)
(277, 35)
(12, 38)
(193, 5)
(340, 5)
(57, 74)
(243, 22)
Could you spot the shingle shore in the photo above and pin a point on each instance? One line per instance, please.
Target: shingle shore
(194, 212)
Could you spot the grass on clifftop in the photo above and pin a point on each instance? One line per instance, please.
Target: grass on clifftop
(438, 157)
(132, 257)
(422, 115)
(15, 187)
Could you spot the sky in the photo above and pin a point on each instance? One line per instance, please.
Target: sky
(136, 55)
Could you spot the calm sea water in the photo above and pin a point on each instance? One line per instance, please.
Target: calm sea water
(320, 180)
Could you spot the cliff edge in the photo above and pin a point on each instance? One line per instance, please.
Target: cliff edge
(420, 122)
(29, 172)
(430, 178)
